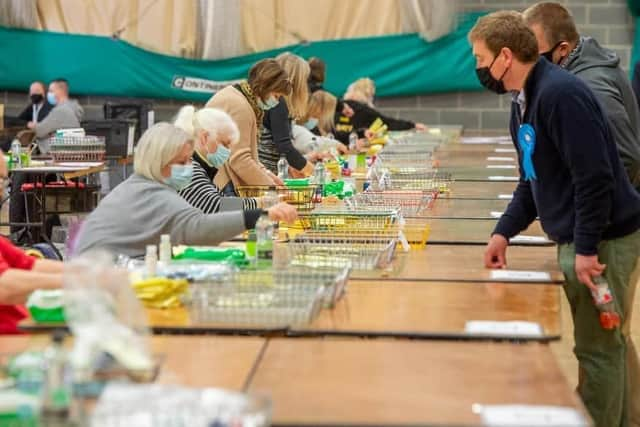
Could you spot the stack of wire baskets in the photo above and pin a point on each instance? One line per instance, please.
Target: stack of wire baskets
(303, 197)
(279, 297)
(87, 148)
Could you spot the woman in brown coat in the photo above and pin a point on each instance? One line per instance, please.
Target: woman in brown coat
(245, 103)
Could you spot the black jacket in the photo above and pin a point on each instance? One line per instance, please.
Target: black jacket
(363, 117)
(277, 121)
(27, 113)
(582, 193)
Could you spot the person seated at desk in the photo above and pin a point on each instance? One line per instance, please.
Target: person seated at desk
(20, 275)
(147, 205)
(315, 129)
(213, 132)
(66, 112)
(359, 96)
(246, 103)
(39, 108)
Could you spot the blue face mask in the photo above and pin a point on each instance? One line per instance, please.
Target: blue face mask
(51, 98)
(180, 176)
(218, 158)
(271, 102)
(311, 123)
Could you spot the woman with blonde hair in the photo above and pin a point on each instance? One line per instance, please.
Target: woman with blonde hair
(276, 140)
(362, 90)
(214, 133)
(147, 205)
(247, 103)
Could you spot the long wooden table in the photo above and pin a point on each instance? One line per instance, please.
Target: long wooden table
(391, 382)
(467, 208)
(203, 361)
(485, 190)
(478, 232)
(437, 310)
(462, 263)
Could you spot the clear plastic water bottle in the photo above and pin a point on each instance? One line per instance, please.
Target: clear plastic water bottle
(318, 179)
(264, 242)
(353, 142)
(609, 317)
(269, 200)
(56, 389)
(283, 168)
(16, 148)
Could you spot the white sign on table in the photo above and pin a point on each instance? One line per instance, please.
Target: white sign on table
(503, 178)
(520, 276)
(529, 416)
(505, 150)
(500, 159)
(514, 328)
(496, 214)
(505, 196)
(501, 166)
(522, 238)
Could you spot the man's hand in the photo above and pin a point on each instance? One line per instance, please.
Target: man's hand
(495, 254)
(587, 267)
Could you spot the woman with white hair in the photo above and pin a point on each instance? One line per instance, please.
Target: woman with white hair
(214, 132)
(147, 205)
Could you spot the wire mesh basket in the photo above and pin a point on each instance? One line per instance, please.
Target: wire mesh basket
(346, 219)
(407, 179)
(87, 148)
(364, 253)
(303, 198)
(410, 202)
(414, 230)
(417, 158)
(275, 297)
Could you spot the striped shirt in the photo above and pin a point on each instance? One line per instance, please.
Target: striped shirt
(203, 194)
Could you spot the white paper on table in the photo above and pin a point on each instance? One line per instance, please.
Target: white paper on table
(501, 159)
(522, 238)
(501, 166)
(505, 196)
(530, 416)
(486, 139)
(503, 178)
(505, 150)
(510, 328)
(496, 214)
(520, 276)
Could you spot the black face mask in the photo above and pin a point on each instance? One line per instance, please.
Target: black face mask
(36, 98)
(548, 55)
(490, 82)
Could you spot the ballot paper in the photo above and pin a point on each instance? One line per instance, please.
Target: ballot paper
(495, 214)
(521, 238)
(505, 150)
(514, 328)
(501, 166)
(505, 196)
(503, 178)
(501, 159)
(520, 276)
(529, 416)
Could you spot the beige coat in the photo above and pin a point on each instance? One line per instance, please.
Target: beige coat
(243, 166)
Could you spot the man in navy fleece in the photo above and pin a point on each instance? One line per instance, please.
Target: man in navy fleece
(572, 178)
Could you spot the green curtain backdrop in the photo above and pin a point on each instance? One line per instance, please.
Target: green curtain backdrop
(399, 64)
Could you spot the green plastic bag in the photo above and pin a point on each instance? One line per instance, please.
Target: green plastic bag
(47, 306)
(233, 255)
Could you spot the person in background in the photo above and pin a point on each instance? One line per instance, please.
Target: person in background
(66, 112)
(317, 74)
(39, 107)
(147, 205)
(20, 275)
(362, 90)
(571, 177)
(314, 131)
(359, 96)
(560, 43)
(213, 132)
(246, 103)
(276, 138)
